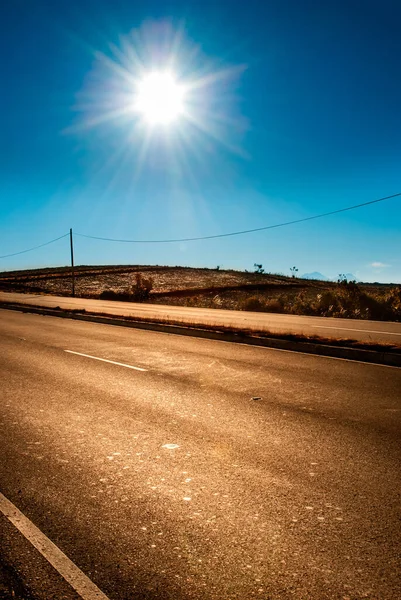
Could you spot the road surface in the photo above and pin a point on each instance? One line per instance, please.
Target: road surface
(368, 331)
(173, 468)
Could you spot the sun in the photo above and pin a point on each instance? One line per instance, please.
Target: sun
(155, 92)
(159, 98)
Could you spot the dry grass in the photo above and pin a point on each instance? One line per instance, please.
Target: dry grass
(213, 288)
(168, 282)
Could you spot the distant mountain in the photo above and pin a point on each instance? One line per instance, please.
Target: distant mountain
(315, 275)
(321, 277)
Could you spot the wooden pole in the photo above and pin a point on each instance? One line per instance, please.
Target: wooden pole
(72, 264)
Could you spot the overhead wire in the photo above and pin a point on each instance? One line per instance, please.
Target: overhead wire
(35, 247)
(244, 231)
(210, 237)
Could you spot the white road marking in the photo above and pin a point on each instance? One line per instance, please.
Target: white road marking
(67, 569)
(354, 329)
(113, 362)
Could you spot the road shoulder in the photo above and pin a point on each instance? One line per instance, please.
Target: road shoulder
(381, 354)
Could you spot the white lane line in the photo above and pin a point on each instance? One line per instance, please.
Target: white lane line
(354, 329)
(112, 362)
(67, 569)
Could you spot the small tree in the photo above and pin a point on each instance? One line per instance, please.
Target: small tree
(141, 288)
(294, 270)
(258, 268)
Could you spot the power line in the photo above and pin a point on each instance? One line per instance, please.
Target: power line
(35, 247)
(210, 237)
(221, 235)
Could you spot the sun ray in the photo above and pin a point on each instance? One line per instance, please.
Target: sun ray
(156, 84)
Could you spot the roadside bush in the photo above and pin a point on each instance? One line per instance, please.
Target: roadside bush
(193, 301)
(374, 308)
(275, 305)
(347, 300)
(216, 301)
(139, 292)
(300, 305)
(113, 295)
(359, 304)
(393, 302)
(254, 303)
(141, 288)
(326, 304)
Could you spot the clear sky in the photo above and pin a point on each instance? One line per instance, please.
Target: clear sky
(290, 109)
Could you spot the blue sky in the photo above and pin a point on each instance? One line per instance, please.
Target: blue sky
(299, 115)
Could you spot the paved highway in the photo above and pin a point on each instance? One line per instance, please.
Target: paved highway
(171, 468)
(373, 331)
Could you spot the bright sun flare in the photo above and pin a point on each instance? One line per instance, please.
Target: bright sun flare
(159, 98)
(158, 86)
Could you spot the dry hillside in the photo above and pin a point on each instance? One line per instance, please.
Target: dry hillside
(214, 288)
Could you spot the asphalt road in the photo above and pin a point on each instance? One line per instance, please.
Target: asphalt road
(373, 331)
(174, 482)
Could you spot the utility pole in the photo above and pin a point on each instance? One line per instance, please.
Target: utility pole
(72, 264)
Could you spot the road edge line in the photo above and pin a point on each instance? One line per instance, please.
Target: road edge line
(355, 354)
(59, 561)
